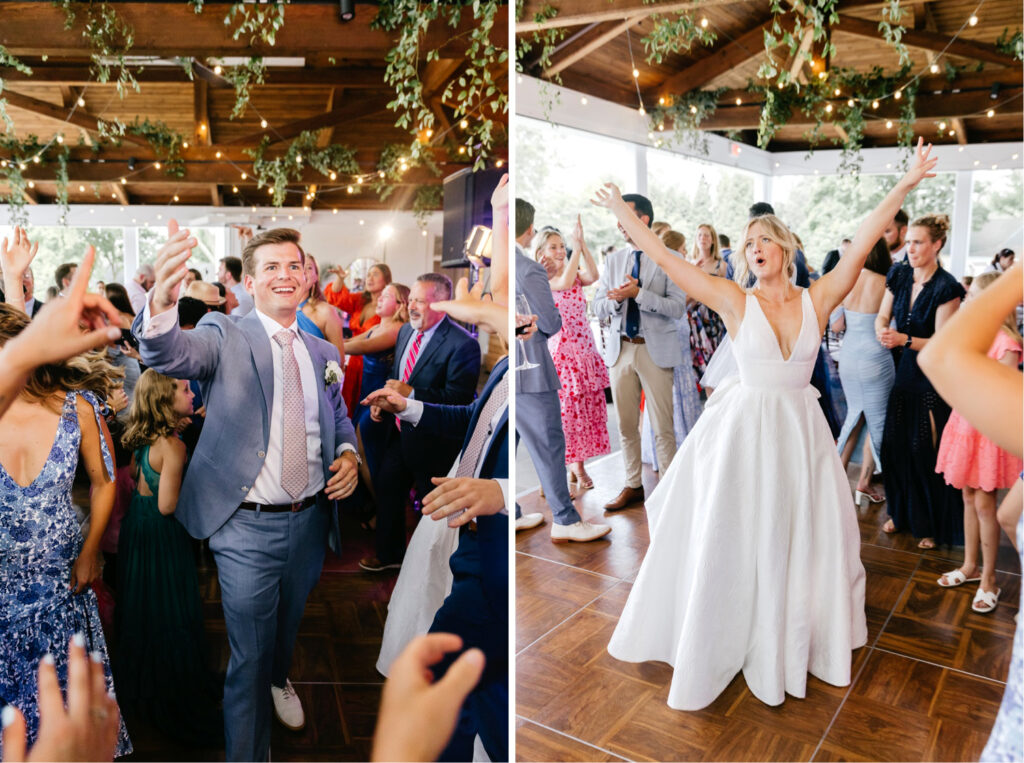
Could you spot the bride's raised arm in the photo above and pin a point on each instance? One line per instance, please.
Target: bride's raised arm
(832, 288)
(720, 294)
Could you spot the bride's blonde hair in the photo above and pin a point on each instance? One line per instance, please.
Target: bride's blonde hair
(777, 231)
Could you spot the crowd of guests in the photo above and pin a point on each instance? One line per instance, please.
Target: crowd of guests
(215, 411)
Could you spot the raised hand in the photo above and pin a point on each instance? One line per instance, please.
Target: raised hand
(922, 165)
(577, 232)
(499, 199)
(473, 306)
(15, 259)
(171, 267)
(607, 196)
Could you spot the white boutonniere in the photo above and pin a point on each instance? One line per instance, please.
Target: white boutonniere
(332, 373)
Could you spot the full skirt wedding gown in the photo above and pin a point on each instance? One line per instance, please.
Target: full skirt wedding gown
(754, 562)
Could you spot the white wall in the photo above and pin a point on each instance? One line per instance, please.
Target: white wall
(334, 238)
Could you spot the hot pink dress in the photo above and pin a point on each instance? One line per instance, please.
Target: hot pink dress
(583, 376)
(969, 459)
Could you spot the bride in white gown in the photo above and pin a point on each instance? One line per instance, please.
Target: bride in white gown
(754, 562)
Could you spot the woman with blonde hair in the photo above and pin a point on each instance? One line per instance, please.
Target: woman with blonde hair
(706, 327)
(315, 315)
(47, 569)
(582, 373)
(770, 582)
(160, 665)
(920, 297)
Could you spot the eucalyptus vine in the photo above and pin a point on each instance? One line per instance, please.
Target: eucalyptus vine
(109, 36)
(672, 35)
(302, 152)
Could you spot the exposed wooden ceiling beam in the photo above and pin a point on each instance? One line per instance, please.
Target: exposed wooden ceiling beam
(926, 40)
(351, 110)
(78, 117)
(361, 77)
(945, 106)
(716, 63)
(202, 133)
(577, 12)
(591, 46)
(327, 134)
(36, 29)
(797, 67)
(931, 25)
(30, 195)
(215, 197)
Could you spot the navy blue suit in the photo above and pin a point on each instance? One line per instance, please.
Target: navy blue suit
(477, 607)
(445, 372)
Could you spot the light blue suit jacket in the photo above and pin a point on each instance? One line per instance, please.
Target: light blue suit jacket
(230, 356)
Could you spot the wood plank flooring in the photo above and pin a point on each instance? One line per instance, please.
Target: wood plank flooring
(926, 687)
(332, 668)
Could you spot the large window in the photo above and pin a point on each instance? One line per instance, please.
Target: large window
(996, 216)
(559, 168)
(687, 192)
(824, 209)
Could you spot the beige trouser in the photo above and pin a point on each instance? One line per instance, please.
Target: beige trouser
(634, 370)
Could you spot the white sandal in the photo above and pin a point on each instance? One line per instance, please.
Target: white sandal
(989, 598)
(956, 578)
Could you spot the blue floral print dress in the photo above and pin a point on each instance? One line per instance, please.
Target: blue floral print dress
(40, 540)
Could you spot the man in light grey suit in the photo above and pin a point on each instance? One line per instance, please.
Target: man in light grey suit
(642, 305)
(277, 450)
(538, 416)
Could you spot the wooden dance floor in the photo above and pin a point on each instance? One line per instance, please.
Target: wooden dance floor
(333, 668)
(926, 687)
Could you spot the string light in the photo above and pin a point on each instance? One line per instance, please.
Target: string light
(990, 113)
(270, 191)
(31, 184)
(157, 165)
(351, 189)
(888, 123)
(850, 103)
(35, 159)
(244, 176)
(124, 181)
(942, 125)
(263, 123)
(217, 69)
(202, 127)
(898, 94)
(81, 189)
(360, 178)
(836, 91)
(636, 73)
(60, 138)
(81, 102)
(234, 189)
(828, 108)
(184, 144)
(704, 22)
(952, 133)
(217, 155)
(874, 104)
(298, 158)
(334, 176)
(739, 101)
(973, 20)
(642, 110)
(334, 211)
(934, 68)
(462, 149)
(501, 163)
(176, 197)
(693, 109)
(464, 124)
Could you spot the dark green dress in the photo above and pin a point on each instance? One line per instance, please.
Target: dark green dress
(160, 668)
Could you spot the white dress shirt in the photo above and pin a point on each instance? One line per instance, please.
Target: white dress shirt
(267, 488)
(427, 335)
(245, 302)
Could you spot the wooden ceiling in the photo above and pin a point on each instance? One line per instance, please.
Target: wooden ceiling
(334, 84)
(594, 58)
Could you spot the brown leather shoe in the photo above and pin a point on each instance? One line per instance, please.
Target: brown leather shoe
(625, 499)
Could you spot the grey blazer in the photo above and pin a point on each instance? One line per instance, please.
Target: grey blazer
(661, 303)
(532, 281)
(230, 357)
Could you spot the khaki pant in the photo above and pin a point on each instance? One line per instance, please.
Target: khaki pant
(634, 370)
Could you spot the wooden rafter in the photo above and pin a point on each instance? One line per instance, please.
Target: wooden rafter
(578, 12)
(118, 190)
(79, 117)
(351, 110)
(359, 78)
(925, 40)
(930, 25)
(591, 46)
(327, 134)
(203, 131)
(717, 62)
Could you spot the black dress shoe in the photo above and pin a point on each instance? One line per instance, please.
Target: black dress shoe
(625, 499)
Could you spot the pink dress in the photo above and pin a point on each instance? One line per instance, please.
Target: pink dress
(967, 458)
(583, 376)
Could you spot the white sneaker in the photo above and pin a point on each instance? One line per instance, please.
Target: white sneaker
(581, 532)
(529, 521)
(287, 707)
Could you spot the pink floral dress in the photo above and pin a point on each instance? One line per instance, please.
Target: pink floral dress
(969, 459)
(583, 376)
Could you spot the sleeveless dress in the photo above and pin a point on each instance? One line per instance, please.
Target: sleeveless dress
(352, 305)
(40, 540)
(583, 376)
(917, 498)
(159, 664)
(306, 323)
(969, 459)
(374, 434)
(867, 372)
(754, 562)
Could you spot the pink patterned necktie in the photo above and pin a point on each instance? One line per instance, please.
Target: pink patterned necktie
(410, 363)
(471, 455)
(294, 465)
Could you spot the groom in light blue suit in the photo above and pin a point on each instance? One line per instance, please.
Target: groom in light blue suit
(277, 450)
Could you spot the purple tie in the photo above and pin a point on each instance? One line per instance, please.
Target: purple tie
(294, 464)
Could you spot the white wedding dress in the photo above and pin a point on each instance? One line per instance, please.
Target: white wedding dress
(754, 562)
